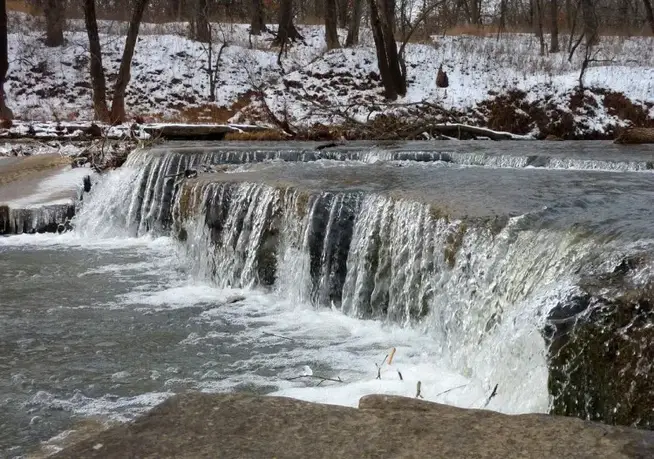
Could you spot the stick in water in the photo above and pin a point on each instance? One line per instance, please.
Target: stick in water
(493, 394)
(450, 390)
(379, 367)
(418, 388)
(390, 358)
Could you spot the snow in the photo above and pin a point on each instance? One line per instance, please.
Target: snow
(170, 74)
(63, 187)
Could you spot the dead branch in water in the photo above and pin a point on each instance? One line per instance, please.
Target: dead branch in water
(321, 378)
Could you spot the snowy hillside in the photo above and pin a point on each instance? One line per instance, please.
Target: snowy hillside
(170, 80)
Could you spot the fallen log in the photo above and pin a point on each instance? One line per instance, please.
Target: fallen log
(459, 131)
(84, 131)
(635, 136)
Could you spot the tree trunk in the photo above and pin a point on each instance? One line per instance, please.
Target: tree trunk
(649, 13)
(382, 18)
(257, 23)
(200, 30)
(538, 19)
(172, 8)
(474, 12)
(5, 112)
(570, 12)
(286, 30)
(54, 20)
(403, 18)
(118, 104)
(355, 24)
(342, 13)
(554, 28)
(97, 72)
(590, 22)
(331, 32)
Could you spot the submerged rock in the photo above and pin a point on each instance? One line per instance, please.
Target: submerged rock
(241, 425)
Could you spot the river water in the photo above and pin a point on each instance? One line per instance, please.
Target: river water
(114, 317)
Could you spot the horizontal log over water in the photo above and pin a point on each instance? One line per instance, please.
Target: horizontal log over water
(635, 136)
(200, 425)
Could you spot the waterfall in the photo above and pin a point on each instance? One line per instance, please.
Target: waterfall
(481, 287)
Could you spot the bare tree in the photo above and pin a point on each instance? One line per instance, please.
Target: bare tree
(54, 21)
(554, 28)
(286, 31)
(649, 13)
(342, 13)
(538, 20)
(590, 22)
(331, 31)
(257, 22)
(355, 23)
(475, 17)
(118, 104)
(200, 22)
(5, 112)
(382, 21)
(98, 81)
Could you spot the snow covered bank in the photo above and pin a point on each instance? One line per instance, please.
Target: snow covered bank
(170, 81)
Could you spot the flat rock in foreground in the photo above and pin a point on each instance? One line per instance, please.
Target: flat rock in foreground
(246, 426)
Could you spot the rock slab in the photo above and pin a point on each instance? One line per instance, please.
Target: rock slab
(38, 193)
(246, 426)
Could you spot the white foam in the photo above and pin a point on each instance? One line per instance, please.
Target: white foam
(337, 346)
(178, 297)
(75, 240)
(111, 406)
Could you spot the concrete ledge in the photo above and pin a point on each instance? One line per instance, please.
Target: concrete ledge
(248, 426)
(38, 193)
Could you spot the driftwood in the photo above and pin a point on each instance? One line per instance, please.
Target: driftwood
(455, 130)
(635, 136)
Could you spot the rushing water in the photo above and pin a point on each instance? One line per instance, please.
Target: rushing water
(319, 264)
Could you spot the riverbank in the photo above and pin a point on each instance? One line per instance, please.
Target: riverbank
(500, 83)
(200, 425)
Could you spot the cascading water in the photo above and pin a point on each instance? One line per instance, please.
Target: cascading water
(480, 287)
(521, 266)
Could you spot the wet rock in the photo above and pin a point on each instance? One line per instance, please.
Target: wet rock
(242, 425)
(45, 219)
(601, 357)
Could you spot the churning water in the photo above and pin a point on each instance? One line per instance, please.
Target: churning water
(269, 277)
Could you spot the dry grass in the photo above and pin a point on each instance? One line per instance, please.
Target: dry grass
(21, 6)
(206, 113)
